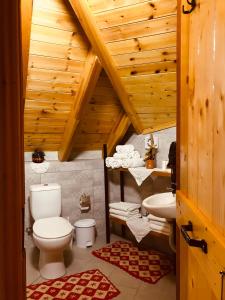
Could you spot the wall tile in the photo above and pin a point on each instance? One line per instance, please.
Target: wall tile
(75, 178)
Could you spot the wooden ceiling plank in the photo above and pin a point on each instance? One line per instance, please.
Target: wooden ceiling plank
(58, 51)
(26, 8)
(160, 127)
(50, 96)
(58, 64)
(104, 5)
(39, 85)
(118, 132)
(135, 13)
(138, 58)
(146, 69)
(88, 23)
(58, 36)
(142, 44)
(54, 19)
(56, 5)
(140, 29)
(91, 74)
(56, 76)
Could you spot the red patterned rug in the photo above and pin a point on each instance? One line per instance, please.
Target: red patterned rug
(89, 285)
(149, 266)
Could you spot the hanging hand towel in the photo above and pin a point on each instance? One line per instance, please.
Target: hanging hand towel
(140, 174)
(140, 227)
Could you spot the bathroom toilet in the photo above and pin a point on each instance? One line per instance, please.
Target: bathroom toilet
(51, 233)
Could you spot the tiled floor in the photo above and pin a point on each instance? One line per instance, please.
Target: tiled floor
(130, 287)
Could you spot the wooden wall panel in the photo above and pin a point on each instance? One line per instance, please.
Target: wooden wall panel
(100, 116)
(58, 51)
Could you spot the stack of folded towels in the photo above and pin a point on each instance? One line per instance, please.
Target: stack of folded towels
(125, 157)
(159, 224)
(124, 210)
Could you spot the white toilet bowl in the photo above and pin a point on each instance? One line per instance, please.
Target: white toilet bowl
(52, 236)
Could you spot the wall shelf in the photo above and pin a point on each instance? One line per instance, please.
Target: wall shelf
(155, 172)
(122, 171)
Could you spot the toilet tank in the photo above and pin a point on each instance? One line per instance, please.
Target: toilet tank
(45, 200)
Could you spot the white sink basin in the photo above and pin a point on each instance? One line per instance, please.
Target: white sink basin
(161, 205)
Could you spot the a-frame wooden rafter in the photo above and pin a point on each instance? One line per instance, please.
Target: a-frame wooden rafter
(82, 11)
(91, 74)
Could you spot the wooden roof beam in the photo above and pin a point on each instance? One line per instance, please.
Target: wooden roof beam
(26, 7)
(160, 127)
(91, 74)
(82, 11)
(118, 132)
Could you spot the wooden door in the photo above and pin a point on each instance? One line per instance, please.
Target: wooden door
(12, 254)
(201, 136)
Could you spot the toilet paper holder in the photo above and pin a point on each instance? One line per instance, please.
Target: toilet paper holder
(85, 203)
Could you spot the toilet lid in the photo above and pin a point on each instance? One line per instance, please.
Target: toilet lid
(51, 228)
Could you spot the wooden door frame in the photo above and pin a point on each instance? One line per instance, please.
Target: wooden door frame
(12, 252)
(178, 73)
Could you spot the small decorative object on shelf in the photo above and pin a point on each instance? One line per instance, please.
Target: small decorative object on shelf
(150, 154)
(38, 156)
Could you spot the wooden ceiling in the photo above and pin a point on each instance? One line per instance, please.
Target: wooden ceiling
(95, 67)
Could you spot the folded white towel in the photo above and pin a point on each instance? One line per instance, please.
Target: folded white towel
(140, 227)
(113, 163)
(154, 218)
(124, 213)
(124, 206)
(133, 154)
(124, 218)
(132, 163)
(161, 224)
(124, 148)
(119, 217)
(162, 228)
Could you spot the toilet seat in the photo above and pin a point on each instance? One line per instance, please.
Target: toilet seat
(52, 228)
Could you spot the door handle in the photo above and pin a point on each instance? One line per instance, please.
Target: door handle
(192, 242)
(193, 5)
